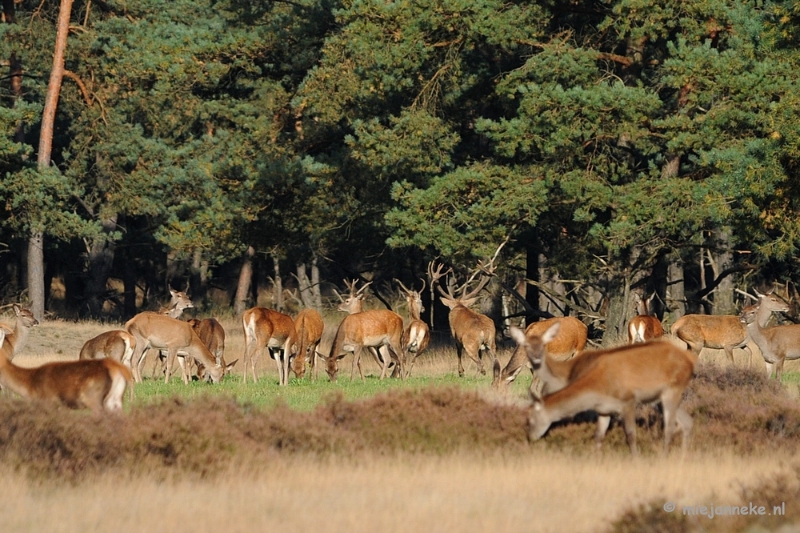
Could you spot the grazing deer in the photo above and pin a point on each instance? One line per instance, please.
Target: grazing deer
(17, 337)
(777, 344)
(473, 332)
(266, 328)
(378, 330)
(644, 327)
(570, 340)
(96, 384)
(212, 334)
(116, 344)
(724, 332)
(177, 337)
(309, 326)
(416, 334)
(613, 382)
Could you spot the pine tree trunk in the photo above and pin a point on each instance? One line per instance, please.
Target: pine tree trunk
(245, 280)
(675, 293)
(277, 284)
(36, 238)
(101, 259)
(723, 295)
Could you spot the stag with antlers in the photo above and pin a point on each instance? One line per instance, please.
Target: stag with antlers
(473, 332)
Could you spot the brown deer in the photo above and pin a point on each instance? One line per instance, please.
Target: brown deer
(416, 334)
(116, 344)
(474, 333)
(724, 332)
(644, 327)
(179, 301)
(17, 337)
(309, 326)
(177, 337)
(266, 328)
(614, 382)
(777, 344)
(212, 334)
(96, 384)
(570, 340)
(378, 330)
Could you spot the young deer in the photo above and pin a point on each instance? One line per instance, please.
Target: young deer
(17, 337)
(378, 330)
(614, 382)
(644, 327)
(96, 384)
(116, 344)
(416, 334)
(570, 340)
(777, 344)
(179, 301)
(309, 326)
(266, 328)
(474, 333)
(177, 337)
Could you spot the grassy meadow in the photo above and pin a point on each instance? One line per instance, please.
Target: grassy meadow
(434, 452)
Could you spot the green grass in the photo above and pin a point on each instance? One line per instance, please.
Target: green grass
(300, 394)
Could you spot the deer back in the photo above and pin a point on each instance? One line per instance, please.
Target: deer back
(116, 344)
(715, 331)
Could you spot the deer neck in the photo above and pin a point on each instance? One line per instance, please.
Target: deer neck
(15, 378)
(19, 337)
(553, 373)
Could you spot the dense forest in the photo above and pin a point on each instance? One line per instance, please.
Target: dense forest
(596, 148)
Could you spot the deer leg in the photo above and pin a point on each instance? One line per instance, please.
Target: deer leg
(729, 353)
(184, 363)
(459, 350)
(629, 422)
(279, 364)
(769, 369)
(170, 360)
(285, 362)
(779, 369)
(683, 421)
(603, 421)
(357, 362)
(136, 359)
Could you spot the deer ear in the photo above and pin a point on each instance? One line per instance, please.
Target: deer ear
(551, 333)
(517, 334)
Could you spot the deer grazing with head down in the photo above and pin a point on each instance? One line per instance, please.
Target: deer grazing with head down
(212, 334)
(778, 343)
(416, 334)
(17, 337)
(473, 332)
(154, 330)
(275, 331)
(309, 326)
(724, 332)
(613, 382)
(375, 329)
(569, 341)
(644, 327)
(96, 384)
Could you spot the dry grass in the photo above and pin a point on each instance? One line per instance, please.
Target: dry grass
(431, 460)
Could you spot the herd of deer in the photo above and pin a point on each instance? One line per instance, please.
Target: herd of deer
(610, 382)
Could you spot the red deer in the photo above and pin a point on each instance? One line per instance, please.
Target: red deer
(178, 302)
(416, 334)
(777, 344)
(644, 327)
(724, 332)
(380, 330)
(116, 344)
(474, 333)
(309, 326)
(96, 384)
(177, 337)
(212, 334)
(570, 340)
(614, 382)
(17, 337)
(266, 328)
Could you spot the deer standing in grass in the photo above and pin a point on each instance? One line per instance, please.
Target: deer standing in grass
(177, 337)
(644, 327)
(777, 344)
(309, 326)
(212, 334)
(474, 333)
(96, 384)
(569, 341)
(267, 328)
(378, 329)
(614, 382)
(17, 337)
(416, 334)
(179, 301)
(724, 332)
(116, 344)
